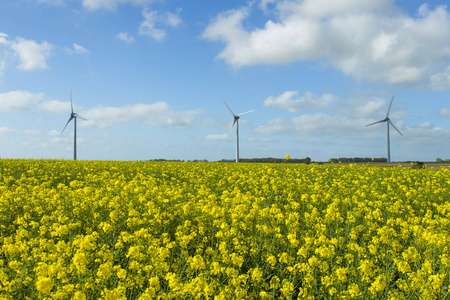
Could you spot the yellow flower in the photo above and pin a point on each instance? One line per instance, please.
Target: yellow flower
(44, 285)
(79, 296)
(172, 230)
(378, 285)
(272, 260)
(256, 275)
(121, 274)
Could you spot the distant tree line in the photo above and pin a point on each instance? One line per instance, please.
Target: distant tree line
(306, 160)
(357, 159)
(438, 160)
(179, 160)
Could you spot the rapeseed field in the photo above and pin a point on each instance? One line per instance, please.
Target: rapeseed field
(179, 230)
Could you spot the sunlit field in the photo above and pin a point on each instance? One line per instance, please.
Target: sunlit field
(166, 230)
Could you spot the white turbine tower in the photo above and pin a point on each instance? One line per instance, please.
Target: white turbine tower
(388, 122)
(236, 121)
(73, 116)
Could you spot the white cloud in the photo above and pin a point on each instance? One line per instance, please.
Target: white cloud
(4, 49)
(33, 56)
(18, 100)
(6, 130)
(3, 39)
(110, 4)
(370, 107)
(265, 3)
(371, 40)
(2, 67)
(426, 137)
(338, 116)
(77, 49)
(147, 26)
(31, 132)
(52, 2)
(53, 133)
(287, 102)
(445, 112)
(172, 19)
(441, 81)
(56, 107)
(317, 124)
(157, 114)
(217, 137)
(326, 124)
(124, 36)
(152, 19)
(277, 125)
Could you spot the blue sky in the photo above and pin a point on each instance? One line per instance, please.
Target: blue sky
(150, 77)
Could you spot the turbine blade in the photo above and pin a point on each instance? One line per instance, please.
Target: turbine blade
(232, 127)
(246, 112)
(387, 115)
(70, 119)
(381, 121)
(71, 104)
(77, 116)
(390, 122)
(232, 113)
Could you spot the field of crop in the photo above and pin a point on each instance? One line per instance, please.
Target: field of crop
(166, 230)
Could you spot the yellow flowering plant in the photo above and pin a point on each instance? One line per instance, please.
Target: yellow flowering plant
(174, 230)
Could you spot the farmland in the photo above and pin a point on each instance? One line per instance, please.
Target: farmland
(181, 230)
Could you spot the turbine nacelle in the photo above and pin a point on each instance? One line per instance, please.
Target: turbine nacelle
(386, 120)
(389, 123)
(236, 121)
(73, 116)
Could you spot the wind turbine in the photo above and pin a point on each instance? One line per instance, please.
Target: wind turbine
(73, 116)
(388, 122)
(236, 121)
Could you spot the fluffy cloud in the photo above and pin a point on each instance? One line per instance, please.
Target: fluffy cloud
(77, 49)
(287, 102)
(341, 117)
(426, 137)
(57, 107)
(6, 130)
(326, 124)
(110, 4)
(445, 112)
(149, 28)
(54, 133)
(4, 47)
(52, 2)
(278, 125)
(316, 124)
(441, 81)
(2, 67)
(158, 114)
(31, 132)
(125, 37)
(32, 55)
(153, 23)
(371, 40)
(217, 137)
(18, 100)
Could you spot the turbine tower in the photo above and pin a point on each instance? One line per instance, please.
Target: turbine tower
(73, 116)
(388, 122)
(236, 121)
